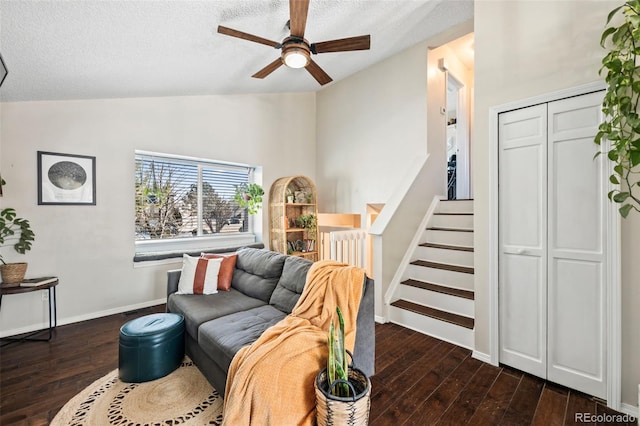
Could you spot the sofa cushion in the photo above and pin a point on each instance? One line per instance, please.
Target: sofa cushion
(290, 285)
(223, 337)
(198, 309)
(257, 272)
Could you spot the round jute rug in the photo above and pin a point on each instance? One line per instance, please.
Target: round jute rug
(184, 397)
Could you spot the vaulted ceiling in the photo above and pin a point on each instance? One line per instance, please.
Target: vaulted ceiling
(89, 49)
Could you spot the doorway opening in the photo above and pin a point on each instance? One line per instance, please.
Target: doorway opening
(457, 64)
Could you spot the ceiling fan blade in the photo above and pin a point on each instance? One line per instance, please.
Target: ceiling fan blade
(343, 44)
(245, 36)
(298, 10)
(318, 73)
(268, 69)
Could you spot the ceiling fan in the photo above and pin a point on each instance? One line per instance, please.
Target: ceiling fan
(296, 50)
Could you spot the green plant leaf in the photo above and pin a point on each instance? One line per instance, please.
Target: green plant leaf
(606, 34)
(612, 13)
(613, 179)
(620, 197)
(624, 210)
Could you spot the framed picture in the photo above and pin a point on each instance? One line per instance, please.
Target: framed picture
(66, 179)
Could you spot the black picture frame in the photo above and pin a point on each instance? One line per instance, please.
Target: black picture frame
(3, 71)
(66, 179)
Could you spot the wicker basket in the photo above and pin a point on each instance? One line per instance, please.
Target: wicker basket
(335, 410)
(13, 273)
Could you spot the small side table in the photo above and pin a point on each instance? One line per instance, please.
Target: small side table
(53, 315)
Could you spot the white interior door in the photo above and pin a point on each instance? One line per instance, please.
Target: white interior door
(577, 296)
(523, 239)
(553, 246)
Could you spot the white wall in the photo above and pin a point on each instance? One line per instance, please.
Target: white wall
(368, 124)
(91, 248)
(523, 49)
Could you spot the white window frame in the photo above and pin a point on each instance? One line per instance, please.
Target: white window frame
(200, 242)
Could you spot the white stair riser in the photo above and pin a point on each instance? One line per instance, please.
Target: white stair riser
(453, 238)
(441, 276)
(450, 257)
(456, 221)
(442, 330)
(433, 299)
(445, 206)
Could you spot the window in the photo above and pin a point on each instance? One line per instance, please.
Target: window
(181, 199)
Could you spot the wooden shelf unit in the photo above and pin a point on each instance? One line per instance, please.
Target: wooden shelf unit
(282, 212)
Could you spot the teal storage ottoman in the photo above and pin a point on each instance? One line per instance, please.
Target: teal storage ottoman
(150, 347)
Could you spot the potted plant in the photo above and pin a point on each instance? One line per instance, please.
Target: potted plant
(310, 222)
(249, 196)
(621, 126)
(343, 392)
(14, 228)
(289, 195)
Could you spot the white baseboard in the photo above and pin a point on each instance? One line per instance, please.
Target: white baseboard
(79, 318)
(480, 356)
(380, 320)
(629, 409)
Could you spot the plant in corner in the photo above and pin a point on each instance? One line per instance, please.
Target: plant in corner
(342, 391)
(14, 228)
(621, 126)
(249, 196)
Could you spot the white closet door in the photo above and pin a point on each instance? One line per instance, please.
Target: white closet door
(576, 247)
(523, 239)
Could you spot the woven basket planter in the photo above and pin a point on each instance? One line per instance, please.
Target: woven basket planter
(335, 410)
(13, 273)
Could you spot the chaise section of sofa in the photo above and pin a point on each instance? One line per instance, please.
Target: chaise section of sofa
(264, 289)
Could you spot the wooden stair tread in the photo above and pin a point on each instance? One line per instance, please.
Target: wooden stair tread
(459, 320)
(444, 266)
(446, 247)
(435, 228)
(465, 294)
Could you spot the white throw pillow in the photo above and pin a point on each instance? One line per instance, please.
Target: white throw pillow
(199, 275)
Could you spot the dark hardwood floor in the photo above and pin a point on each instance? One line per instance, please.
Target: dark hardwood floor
(420, 380)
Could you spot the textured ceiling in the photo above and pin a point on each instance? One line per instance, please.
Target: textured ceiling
(87, 49)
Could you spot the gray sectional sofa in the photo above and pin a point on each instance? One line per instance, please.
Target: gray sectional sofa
(265, 288)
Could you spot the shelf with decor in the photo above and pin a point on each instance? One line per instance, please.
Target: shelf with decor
(293, 216)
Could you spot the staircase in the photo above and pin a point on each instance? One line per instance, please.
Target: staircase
(436, 295)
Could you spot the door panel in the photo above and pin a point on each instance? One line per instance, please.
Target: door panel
(522, 260)
(576, 312)
(577, 195)
(523, 331)
(576, 253)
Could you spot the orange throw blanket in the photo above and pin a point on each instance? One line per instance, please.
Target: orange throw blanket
(270, 382)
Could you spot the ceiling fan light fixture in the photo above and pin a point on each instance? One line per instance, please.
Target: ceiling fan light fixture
(296, 57)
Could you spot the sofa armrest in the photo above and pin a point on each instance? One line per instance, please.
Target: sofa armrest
(365, 348)
(173, 277)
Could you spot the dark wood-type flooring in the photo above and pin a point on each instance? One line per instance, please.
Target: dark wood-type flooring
(419, 380)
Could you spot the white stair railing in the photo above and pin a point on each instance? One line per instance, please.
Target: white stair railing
(343, 245)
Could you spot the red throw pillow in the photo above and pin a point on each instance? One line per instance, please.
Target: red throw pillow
(226, 269)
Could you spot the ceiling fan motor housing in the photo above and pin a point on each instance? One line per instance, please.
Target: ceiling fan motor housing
(296, 52)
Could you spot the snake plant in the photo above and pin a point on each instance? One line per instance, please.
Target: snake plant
(337, 363)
